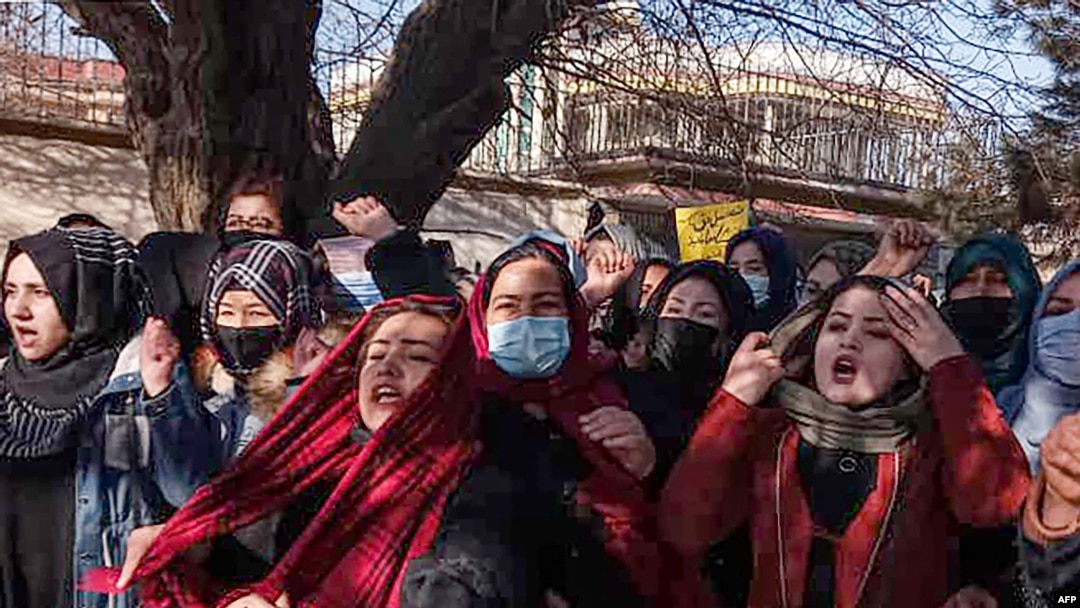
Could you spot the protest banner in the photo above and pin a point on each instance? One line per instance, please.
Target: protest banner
(704, 231)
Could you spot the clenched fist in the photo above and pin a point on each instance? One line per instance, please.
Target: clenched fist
(366, 217)
(159, 352)
(753, 370)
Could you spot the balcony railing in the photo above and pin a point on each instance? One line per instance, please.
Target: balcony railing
(48, 72)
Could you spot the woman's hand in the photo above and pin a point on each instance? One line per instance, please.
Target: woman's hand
(159, 352)
(903, 247)
(753, 370)
(138, 544)
(623, 434)
(1060, 457)
(918, 327)
(607, 273)
(366, 217)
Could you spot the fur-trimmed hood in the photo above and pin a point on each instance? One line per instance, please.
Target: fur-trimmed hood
(265, 388)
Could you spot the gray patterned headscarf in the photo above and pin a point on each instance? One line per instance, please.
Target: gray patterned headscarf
(278, 272)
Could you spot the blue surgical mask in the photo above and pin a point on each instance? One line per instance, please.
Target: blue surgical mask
(759, 288)
(530, 347)
(1057, 347)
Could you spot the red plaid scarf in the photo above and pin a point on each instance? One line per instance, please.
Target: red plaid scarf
(385, 510)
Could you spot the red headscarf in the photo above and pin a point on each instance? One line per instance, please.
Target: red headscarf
(385, 509)
(581, 386)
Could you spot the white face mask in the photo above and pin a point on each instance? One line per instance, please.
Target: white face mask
(759, 288)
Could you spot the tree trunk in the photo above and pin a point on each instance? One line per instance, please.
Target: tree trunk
(225, 88)
(163, 98)
(257, 98)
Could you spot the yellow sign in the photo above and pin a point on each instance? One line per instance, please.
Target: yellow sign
(705, 231)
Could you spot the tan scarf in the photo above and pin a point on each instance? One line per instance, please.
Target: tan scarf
(870, 430)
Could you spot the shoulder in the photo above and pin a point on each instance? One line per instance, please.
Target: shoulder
(125, 373)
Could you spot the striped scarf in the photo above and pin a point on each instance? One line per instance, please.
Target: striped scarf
(102, 298)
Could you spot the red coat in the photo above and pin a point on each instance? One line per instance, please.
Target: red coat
(742, 465)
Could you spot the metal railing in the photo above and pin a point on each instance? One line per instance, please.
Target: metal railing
(49, 72)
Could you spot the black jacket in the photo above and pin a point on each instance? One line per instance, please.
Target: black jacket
(509, 533)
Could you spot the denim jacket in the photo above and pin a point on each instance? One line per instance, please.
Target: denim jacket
(138, 460)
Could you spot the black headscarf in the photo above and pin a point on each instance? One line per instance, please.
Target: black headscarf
(669, 401)
(783, 275)
(175, 265)
(734, 294)
(94, 277)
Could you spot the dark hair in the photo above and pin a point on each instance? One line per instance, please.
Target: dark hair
(734, 294)
(534, 249)
(624, 320)
(447, 314)
(81, 220)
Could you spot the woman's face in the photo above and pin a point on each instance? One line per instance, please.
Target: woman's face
(821, 277)
(527, 288)
(696, 299)
(654, 275)
(748, 259)
(241, 309)
(982, 281)
(856, 360)
(1066, 297)
(31, 312)
(398, 358)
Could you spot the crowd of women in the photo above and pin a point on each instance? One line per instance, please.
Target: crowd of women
(232, 421)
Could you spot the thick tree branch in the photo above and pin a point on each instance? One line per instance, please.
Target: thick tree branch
(442, 91)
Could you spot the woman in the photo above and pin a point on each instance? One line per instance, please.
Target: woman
(1050, 388)
(257, 303)
(530, 334)
(764, 261)
(836, 261)
(397, 489)
(991, 288)
(95, 441)
(620, 327)
(860, 464)
(1049, 398)
(695, 316)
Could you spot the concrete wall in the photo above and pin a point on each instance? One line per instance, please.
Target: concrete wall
(42, 180)
(479, 224)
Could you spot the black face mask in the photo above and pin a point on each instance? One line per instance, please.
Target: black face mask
(247, 348)
(981, 323)
(683, 346)
(234, 238)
